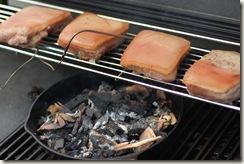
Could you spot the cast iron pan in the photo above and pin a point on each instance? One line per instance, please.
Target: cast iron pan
(64, 90)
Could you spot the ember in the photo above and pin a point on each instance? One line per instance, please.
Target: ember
(108, 122)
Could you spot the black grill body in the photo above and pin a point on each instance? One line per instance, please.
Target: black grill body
(207, 131)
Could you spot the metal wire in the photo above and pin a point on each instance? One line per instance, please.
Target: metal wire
(22, 65)
(81, 31)
(19, 68)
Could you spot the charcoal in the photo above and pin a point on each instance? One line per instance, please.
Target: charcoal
(89, 112)
(100, 100)
(93, 110)
(70, 125)
(99, 140)
(77, 100)
(105, 87)
(115, 96)
(134, 134)
(65, 134)
(114, 128)
(86, 123)
(137, 92)
(140, 124)
(59, 143)
(85, 152)
(129, 120)
(85, 139)
(105, 132)
(160, 133)
(76, 126)
(73, 153)
(73, 145)
(51, 142)
(104, 153)
(120, 131)
(104, 118)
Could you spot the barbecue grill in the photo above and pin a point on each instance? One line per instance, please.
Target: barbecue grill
(208, 130)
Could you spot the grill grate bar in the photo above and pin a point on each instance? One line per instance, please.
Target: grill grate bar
(232, 155)
(26, 151)
(18, 149)
(50, 51)
(35, 154)
(14, 143)
(191, 134)
(192, 150)
(15, 134)
(215, 131)
(219, 133)
(42, 156)
(221, 153)
(222, 128)
(116, 73)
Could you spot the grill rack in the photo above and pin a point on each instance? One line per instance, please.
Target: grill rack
(109, 65)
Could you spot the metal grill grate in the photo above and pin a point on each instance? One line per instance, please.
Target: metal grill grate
(109, 64)
(208, 133)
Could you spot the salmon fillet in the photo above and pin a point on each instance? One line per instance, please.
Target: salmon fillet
(89, 45)
(155, 54)
(27, 27)
(216, 76)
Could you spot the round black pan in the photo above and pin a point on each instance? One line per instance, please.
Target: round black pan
(64, 90)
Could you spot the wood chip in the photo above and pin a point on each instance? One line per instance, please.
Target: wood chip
(136, 144)
(48, 126)
(121, 145)
(61, 121)
(146, 134)
(53, 109)
(66, 117)
(173, 118)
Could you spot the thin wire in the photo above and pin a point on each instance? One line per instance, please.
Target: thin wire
(46, 63)
(99, 32)
(29, 60)
(10, 77)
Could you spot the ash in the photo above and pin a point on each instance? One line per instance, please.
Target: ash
(108, 122)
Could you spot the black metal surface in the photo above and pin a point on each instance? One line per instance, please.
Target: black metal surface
(204, 133)
(19, 94)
